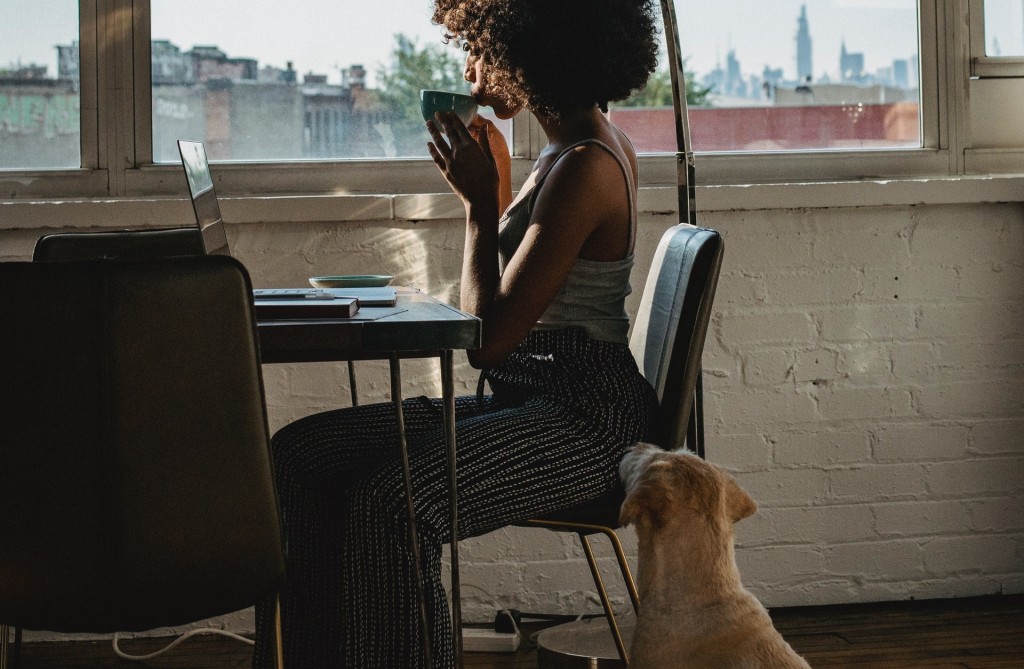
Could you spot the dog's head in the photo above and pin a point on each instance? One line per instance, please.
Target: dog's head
(662, 485)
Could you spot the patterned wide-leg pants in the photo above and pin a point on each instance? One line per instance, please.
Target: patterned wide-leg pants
(564, 410)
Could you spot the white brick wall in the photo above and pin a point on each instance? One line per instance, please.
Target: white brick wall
(863, 379)
(870, 361)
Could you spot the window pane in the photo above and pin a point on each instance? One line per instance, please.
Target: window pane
(39, 85)
(648, 118)
(1004, 28)
(321, 79)
(788, 75)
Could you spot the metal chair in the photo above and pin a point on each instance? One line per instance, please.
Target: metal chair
(667, 338)
(667, 341)
(136, 481)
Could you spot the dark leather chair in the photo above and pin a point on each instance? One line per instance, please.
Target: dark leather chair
(136, 481)
(667, 341)
(143, 244)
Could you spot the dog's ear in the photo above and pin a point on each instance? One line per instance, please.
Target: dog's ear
(738, 504)
(639, 502)
(629, 512)
(649, 498)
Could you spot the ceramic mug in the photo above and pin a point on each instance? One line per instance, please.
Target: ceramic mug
(434, 101)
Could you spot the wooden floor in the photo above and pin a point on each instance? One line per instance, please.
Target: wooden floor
(975, 633)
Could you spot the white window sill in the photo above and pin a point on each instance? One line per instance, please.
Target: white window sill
(171, 211)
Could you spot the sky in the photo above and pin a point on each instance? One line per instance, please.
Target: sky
(323, 36)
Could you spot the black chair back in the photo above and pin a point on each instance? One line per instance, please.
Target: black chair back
(120, 244)
(135, 475)
(671, 325)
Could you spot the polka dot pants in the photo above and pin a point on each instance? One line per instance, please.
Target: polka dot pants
(564, 410)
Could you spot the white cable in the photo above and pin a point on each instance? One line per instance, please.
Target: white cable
(205, 630)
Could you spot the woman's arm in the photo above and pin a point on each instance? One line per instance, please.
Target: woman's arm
(501, 155)
(583, 191)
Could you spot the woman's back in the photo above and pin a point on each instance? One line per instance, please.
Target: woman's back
(594, 293)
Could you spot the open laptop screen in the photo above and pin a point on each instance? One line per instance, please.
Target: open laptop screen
(204, 197)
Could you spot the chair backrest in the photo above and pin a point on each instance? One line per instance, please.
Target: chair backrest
(672, 321)
(135, 475)
(120, 244)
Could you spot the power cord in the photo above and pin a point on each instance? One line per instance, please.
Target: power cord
(212, 630)
(494, 600)
(204, 630)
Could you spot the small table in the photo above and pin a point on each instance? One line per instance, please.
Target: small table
(418, 326)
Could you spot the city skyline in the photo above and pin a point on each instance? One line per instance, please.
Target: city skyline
(324, 40)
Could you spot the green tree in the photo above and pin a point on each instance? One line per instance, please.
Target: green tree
(411, 69)
(658, 92)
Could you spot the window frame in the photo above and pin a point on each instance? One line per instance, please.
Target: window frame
(117, 138)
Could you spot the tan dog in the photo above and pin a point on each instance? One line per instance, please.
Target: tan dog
(694, 612)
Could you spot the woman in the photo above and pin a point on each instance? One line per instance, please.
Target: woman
(548, 280)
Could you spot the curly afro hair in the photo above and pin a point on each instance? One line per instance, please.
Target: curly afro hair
(557, 56)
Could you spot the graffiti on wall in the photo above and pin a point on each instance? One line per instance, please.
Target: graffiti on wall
(43, 115)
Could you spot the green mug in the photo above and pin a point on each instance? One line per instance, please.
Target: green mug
(434, 101)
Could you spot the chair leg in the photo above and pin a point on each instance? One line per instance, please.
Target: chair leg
(10, 654)
(627, 575)
(582, 529)
(605, 602)
(4, 640)
(278, 636)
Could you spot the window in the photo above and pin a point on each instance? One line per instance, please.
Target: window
(40, 104)
(997, 38)
(1004, 28)
(871, 108)
(316, 82)
(315, 99)
(792, 75)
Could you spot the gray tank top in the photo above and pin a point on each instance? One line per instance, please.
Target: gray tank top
(594, 295)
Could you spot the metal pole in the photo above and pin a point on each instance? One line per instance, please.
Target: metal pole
(686, 179)
(686, 183)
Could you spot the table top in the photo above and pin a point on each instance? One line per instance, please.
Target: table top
(417, 326)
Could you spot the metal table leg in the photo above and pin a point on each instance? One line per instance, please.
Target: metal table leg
(448, 398)
(352, 383)
(396, 398)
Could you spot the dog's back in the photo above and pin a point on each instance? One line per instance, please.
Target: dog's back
(737, 633)
(694, 612)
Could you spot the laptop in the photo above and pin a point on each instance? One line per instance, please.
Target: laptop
(270, 302)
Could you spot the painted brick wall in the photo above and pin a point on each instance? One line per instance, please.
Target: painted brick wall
(862, 378)
(864, 381)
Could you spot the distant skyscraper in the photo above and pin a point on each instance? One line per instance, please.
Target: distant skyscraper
(851, 65)
(804, 64)
(901, 73)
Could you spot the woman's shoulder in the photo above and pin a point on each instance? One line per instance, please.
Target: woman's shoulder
(595, 159)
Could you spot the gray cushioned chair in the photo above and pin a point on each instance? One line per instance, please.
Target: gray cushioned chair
(667, 341)
(136, 481)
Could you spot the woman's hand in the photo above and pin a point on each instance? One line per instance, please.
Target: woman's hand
(465, 162)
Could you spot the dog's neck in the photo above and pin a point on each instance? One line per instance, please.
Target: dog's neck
(697, 572)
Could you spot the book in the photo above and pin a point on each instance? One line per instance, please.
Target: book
(305, 308)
